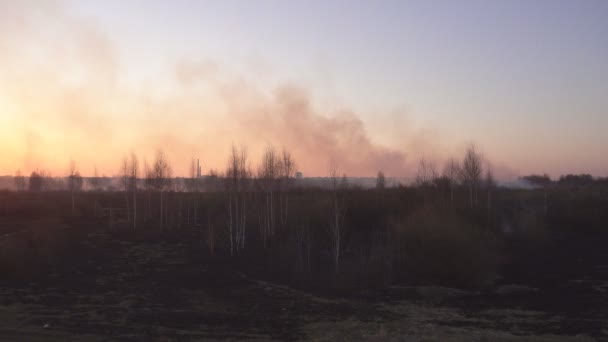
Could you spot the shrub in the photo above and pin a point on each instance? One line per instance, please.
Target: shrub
(439, 248)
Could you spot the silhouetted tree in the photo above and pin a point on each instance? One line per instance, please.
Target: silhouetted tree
(237, 187)
(95, 181)
(40, 180)
(95, 184)
(344, 184)
(36, 181)
(267, 176)
(160, 179)
(426, 178)
(125, 176)
(537, 180)
(576, 180)
(193, 185)
(451, 172)
(338, 189)
(19, 181)
(74, 182)
(212, 181)
(303, 243)
(426, 173)
(380, 181)
(471, 172)
(133, 174)
(149, 188)
(489, 183)
(287, 169)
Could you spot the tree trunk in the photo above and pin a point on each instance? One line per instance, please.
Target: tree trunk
(471, 194)
(546, 204)
(180, 211)
(128, 206)
(134, 210)
(195, 208)
(188, 204)
(286, 207)
(489, 198)
(452, 195)
(73, 203)
(244, 222)
(161, 211)
(230, 225)
(336, 234)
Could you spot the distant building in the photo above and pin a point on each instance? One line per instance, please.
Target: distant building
(299, 175)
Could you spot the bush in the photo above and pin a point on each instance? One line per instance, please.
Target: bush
(439, 248)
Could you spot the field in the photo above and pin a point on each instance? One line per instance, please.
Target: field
(77, 279)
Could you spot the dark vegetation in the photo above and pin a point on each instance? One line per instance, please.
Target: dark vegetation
(454, 228)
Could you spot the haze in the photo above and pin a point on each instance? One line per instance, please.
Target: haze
(369, 85)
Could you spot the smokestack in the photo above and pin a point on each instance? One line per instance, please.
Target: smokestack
(198, 168)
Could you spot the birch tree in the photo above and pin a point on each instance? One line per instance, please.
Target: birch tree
(160, 179)
(287, 169)
(338, 213)
(471, 172)
(426, 178)
(193, 185)
(267, 176)
(237, 188)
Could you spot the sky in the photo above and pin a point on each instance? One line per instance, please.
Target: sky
(363, 85)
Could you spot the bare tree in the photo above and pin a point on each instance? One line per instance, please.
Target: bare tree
(212, 181)
(237, 188)
(133, 175)
(160, 179)
(380, 181)
(125, 179)
(338, 213)
(267, 175)
(471, 172)
(74, 182)
(19, 181)
(37, 181)
(426, 178)
(489, 183)
(426, 175)
(287, 169)
(193, 185)
(303, 239)
(95, 181)
(95, 186)
(344, 184)
(149, 188)
(451, 172)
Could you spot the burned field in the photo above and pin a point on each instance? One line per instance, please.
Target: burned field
(81, 279)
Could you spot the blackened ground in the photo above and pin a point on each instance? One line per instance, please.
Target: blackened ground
(110, 286)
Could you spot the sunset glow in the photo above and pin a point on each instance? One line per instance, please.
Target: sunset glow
(369, 88)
